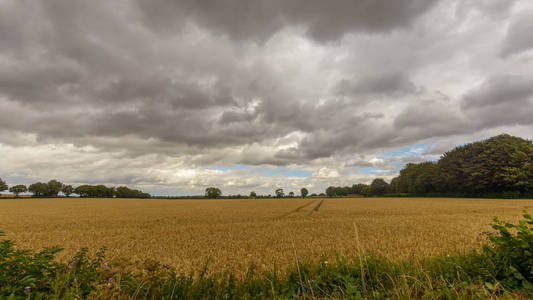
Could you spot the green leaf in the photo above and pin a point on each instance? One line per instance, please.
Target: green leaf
(527, 285)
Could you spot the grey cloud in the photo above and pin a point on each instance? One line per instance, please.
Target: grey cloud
(499, 101)
(423, 114)
(391, 84)
(519, 37)
(229, 117)
(503, 89)
(431, 118)
(492, 8)
(323, 21)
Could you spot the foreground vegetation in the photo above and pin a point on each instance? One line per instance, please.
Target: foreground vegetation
(502, 268)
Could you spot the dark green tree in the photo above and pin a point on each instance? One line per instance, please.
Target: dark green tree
(213, 192)
(102, 191)
(67, 190)
(95, 191)
(379, 187)
(83, 190)
(253, 194)
(54, 187)
(304, 192)
(418, 179)
(360, 189)
(38, 189)
(331, 191)
(279, 193)
(18, 189)
(494, 166)
(125, 192)
(3, 185)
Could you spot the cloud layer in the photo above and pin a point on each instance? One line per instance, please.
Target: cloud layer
(173, 96)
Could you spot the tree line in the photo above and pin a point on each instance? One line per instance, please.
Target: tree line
(214, 192)
(378, 187)
(53, 187)
(501, 166)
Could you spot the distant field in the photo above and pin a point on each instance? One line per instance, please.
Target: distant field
(185, 233)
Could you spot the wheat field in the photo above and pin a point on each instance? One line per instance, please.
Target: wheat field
(233, 233)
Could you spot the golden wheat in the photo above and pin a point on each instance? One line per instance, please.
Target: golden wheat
(233, 233)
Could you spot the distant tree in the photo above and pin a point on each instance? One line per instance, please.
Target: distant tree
(304, 192)
(280, 193)
(95, 191)
(67, 190)
(379, 187)
(102, 191)
(17, 189)
(3, 185)
(54, 187)
(360, 189)
(253, 194)
(125, 192)
(291, 194)
(38, 189)
(212, 192)
(322, 195)
(393, 186)
(83, 190)
(331, 191)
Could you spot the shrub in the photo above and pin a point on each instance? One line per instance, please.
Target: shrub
(511, 253)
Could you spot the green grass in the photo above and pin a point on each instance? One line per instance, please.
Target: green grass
(502, 269)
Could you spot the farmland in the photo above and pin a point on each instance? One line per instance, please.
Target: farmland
(233, 233)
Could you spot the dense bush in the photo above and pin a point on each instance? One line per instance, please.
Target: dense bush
(501, 268)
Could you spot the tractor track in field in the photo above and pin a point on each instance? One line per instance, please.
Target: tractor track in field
(316, 208)
(296, 209)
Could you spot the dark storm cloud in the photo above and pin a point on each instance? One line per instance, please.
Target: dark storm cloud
(258, 20)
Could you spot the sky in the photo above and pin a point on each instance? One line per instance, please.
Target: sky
(172, 97)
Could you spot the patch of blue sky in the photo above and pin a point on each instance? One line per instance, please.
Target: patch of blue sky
(234, 167)
(267, 171)
(412, 150)
(370, 171)
(283, 171)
